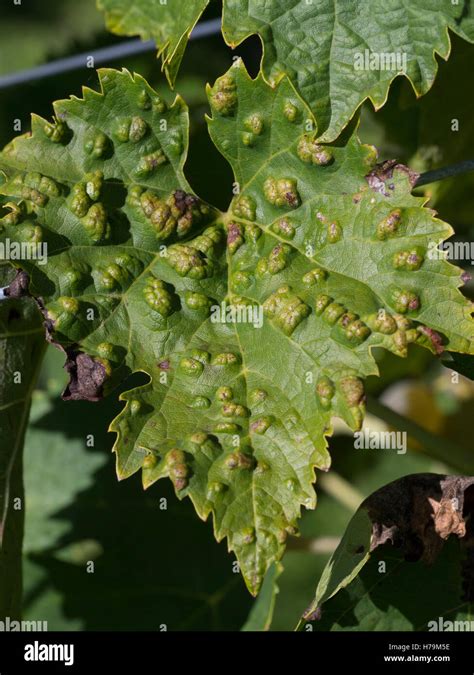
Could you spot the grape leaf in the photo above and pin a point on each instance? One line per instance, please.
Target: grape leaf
(337, 55)
(261, 614)
(168, 23)
(21, 347)
(313, 265)
(397, 540)
(320, 44)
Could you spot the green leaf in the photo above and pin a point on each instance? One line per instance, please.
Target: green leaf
(21, 348)
(168, 23)
(394, 543)
(337, 55)
(316, 263)
(320, 46)
(48, 455)
(261, 615)
(87, 516)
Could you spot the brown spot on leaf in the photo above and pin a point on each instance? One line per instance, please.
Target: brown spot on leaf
(234, 232)
(418, 513)
(291, 198)
(313, 614)
(19, 286)
(434, 337)
(383, 172)
(87, 377)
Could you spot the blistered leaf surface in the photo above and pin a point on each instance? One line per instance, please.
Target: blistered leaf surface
(255, 326)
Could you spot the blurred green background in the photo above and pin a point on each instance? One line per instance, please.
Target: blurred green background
(155, 567)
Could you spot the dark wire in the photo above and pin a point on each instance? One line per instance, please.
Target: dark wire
(99, 56)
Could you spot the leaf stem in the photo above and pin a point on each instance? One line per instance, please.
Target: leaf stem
(445, 172)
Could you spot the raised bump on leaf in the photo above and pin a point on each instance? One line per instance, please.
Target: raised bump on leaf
(181, 404)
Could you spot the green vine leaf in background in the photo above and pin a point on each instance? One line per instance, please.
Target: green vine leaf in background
(320, 44)
(321, 257)
(169, 24)
(21, 348)
(397, 541)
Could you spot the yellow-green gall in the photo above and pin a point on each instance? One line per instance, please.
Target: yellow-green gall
(286, 309)
(191, 366)
(96, 223)
(245, 207)
(69, 305)
(144, 100)
(352, 389)
(189, 262)
(410, 260)
(234, 410)
(325, 390)
(235, 236)
(316, 276)
(106, 351)
(200, 403)
(196, 301)
(79, 200)
(97, 145)
(260, 425)
(389, 225)
(333, 312)
(158, 297)
(384, 323)
(282, 192)
(357, 331)
(223, 96)
(200, 355)
(130, 129)
(321, 302)
(150, 461)
(334, 232)
(311, 152)
(158, 105)
(225, 359)
(224, 393)
(199, 437)
(278, 258)
(254, 123)
(134, 406)
(404, 301)
(241, 280)
(248, 139)
(149, 163)
(284, 228)
(93, 184)
(257, 396)
(174, 215)
(58, 132)
(290, 111)
(138, 129)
